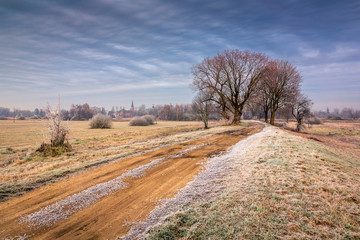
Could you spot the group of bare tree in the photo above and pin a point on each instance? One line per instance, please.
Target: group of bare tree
(234, 80)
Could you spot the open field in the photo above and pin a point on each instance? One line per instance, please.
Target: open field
(22, 169)
(284, 186)
(338, 133)
(177, 181)
(104, 202)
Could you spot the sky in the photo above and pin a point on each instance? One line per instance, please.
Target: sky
(110, 52)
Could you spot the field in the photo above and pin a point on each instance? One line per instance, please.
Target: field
(285, 186)
(119, 193)
(341, 133)
(22, 169)
(175, 180)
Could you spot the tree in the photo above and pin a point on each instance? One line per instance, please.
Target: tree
(280, 84)
(230, 79)
(301, 110)
(142, 110)
(203, 107)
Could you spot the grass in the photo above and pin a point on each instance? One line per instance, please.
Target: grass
(22, 168)
(341, 133)
(296, 189)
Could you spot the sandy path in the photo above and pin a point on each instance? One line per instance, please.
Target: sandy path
(111, 196)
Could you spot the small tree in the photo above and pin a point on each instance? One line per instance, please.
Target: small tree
(57, 129)
(58, 132)
(203, 107)
(301, 110)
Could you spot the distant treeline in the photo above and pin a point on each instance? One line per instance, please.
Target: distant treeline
(177, 112)
(337, 114)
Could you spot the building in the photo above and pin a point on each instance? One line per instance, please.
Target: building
(127, 113)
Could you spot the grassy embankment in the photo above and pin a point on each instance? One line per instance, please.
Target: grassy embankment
(22, 169)
(288, 187)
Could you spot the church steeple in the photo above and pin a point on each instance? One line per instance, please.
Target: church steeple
(132, 106)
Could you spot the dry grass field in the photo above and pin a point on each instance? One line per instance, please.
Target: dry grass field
(22, 169)
(106, 201)
(285, 186)
(341, 133)
(169, 181)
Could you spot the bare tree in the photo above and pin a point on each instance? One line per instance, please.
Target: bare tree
(280, 84)
(300, 110)
(57, 129)
(230, 78)
(203, 107)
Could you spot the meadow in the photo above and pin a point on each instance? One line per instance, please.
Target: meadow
(286, 186)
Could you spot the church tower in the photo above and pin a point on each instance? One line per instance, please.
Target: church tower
(132, 106)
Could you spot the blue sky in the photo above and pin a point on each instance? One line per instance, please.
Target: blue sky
(109, 52)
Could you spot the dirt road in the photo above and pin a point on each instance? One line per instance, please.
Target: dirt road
(104, 202)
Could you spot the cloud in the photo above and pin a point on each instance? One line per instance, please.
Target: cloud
(104, 46)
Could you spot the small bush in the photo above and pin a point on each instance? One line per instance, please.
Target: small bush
(58, 132)
(138, 121)
(100, 121)
(3, 118)
(336, 118)
(315, 121)
(150, 119)
(22, 118)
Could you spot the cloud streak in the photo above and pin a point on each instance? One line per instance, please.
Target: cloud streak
(87, 48)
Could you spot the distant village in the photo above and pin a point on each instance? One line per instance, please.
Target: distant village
(177, 112)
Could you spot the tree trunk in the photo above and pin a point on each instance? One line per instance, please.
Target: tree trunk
(272, 118)
(266, 116)
(224, 114)
(205, 121)
(299, 123)
(237, 117)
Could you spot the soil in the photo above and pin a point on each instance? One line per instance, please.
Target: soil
(113, 215)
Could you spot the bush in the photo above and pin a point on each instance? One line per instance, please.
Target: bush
(315, 121)
(22, 118)
(138, 121)
(3, 118)
(58, 132)
(100, 121)
(150, 119)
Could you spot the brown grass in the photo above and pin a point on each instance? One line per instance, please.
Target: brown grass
(288, 187)
(342, 134)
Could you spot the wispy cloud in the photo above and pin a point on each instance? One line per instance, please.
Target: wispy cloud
(102, 47)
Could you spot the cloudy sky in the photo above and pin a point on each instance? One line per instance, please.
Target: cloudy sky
(109, 52)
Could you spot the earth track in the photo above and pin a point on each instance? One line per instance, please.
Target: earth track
(112, 215)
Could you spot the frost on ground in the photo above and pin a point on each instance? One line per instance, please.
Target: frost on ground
(207, 185)
(71, 204)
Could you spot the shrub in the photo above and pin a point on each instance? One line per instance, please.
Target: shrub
(315, 121)
(100, 121)
(150, 119)
(22, 118)
(58, 132)
(3, 118)
(138, 121)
